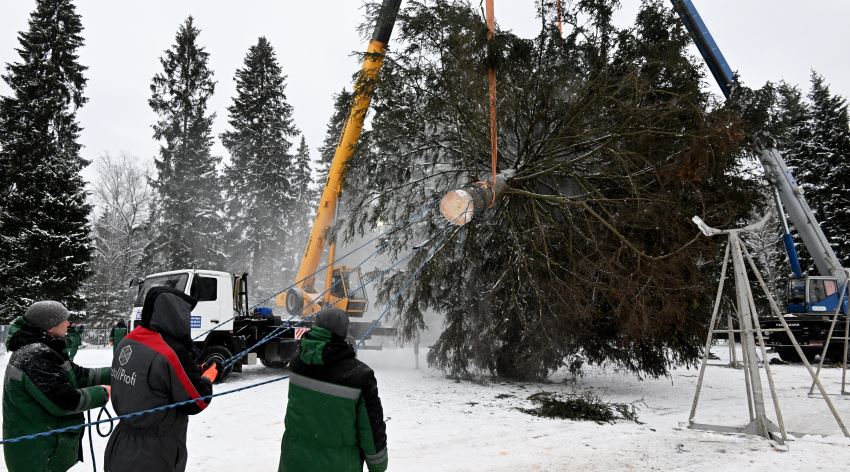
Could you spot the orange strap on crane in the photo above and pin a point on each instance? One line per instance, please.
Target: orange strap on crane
(560, 14)
(491, 75)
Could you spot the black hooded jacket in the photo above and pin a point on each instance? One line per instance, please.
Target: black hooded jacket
(176, 331)
(156, 365)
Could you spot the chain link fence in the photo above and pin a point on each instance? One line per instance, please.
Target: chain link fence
(96, 337)
(92, 338)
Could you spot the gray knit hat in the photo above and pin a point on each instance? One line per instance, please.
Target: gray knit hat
(333, 319)
(46, 314)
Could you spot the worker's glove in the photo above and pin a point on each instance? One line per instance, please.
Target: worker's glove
(213, 362)
(211, 370)
(108, 391)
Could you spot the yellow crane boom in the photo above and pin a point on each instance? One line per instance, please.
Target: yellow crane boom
(339, 278)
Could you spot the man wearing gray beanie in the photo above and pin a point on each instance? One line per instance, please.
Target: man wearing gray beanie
(44, 390)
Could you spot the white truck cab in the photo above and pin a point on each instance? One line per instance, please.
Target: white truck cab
(214, 291)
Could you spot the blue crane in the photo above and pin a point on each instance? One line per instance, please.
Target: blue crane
(810, 297)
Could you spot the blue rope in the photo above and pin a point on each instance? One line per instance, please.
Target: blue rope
(91, 443)
(137, 413)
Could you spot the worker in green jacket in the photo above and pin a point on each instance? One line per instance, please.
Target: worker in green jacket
(73, 340)
(117, 333)
(43, 390)
(334, 419)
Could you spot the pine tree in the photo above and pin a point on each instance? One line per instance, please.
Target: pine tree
(305, 193)
(789, 118)
(45, 246)
(792, 128)
(188, 226)
(828, 164)
(342, 106)
(262, 197)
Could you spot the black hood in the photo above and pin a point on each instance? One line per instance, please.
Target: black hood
(168, 311)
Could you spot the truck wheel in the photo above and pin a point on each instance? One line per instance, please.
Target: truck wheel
(789, 354)
(294, 301)
(220, 354)
(274, 364)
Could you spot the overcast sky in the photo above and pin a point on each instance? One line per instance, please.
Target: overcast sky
(762, 39)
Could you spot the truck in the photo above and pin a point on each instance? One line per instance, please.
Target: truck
(811, 299)
(223, 323)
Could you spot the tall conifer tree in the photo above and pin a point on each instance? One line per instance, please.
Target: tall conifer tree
(188, 226)
(305, 193)
(813, 134)
(261, 201)
(829, 161)
(333, 130)
(45, 247)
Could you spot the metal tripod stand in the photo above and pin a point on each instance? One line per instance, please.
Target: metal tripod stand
(750, 331)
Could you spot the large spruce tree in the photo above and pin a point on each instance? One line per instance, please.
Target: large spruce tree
(45, 246)
(261, 202)
(591, 256)
(188, 226)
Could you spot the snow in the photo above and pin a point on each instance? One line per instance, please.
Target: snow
(437, 424)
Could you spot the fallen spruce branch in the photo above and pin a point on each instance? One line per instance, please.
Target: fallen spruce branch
(580, 407)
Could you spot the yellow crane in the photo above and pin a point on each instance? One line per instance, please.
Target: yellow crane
(345, 283)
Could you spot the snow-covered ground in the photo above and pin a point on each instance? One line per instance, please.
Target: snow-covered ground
(437, 424)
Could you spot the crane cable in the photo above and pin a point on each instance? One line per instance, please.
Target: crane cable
(491, 76)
